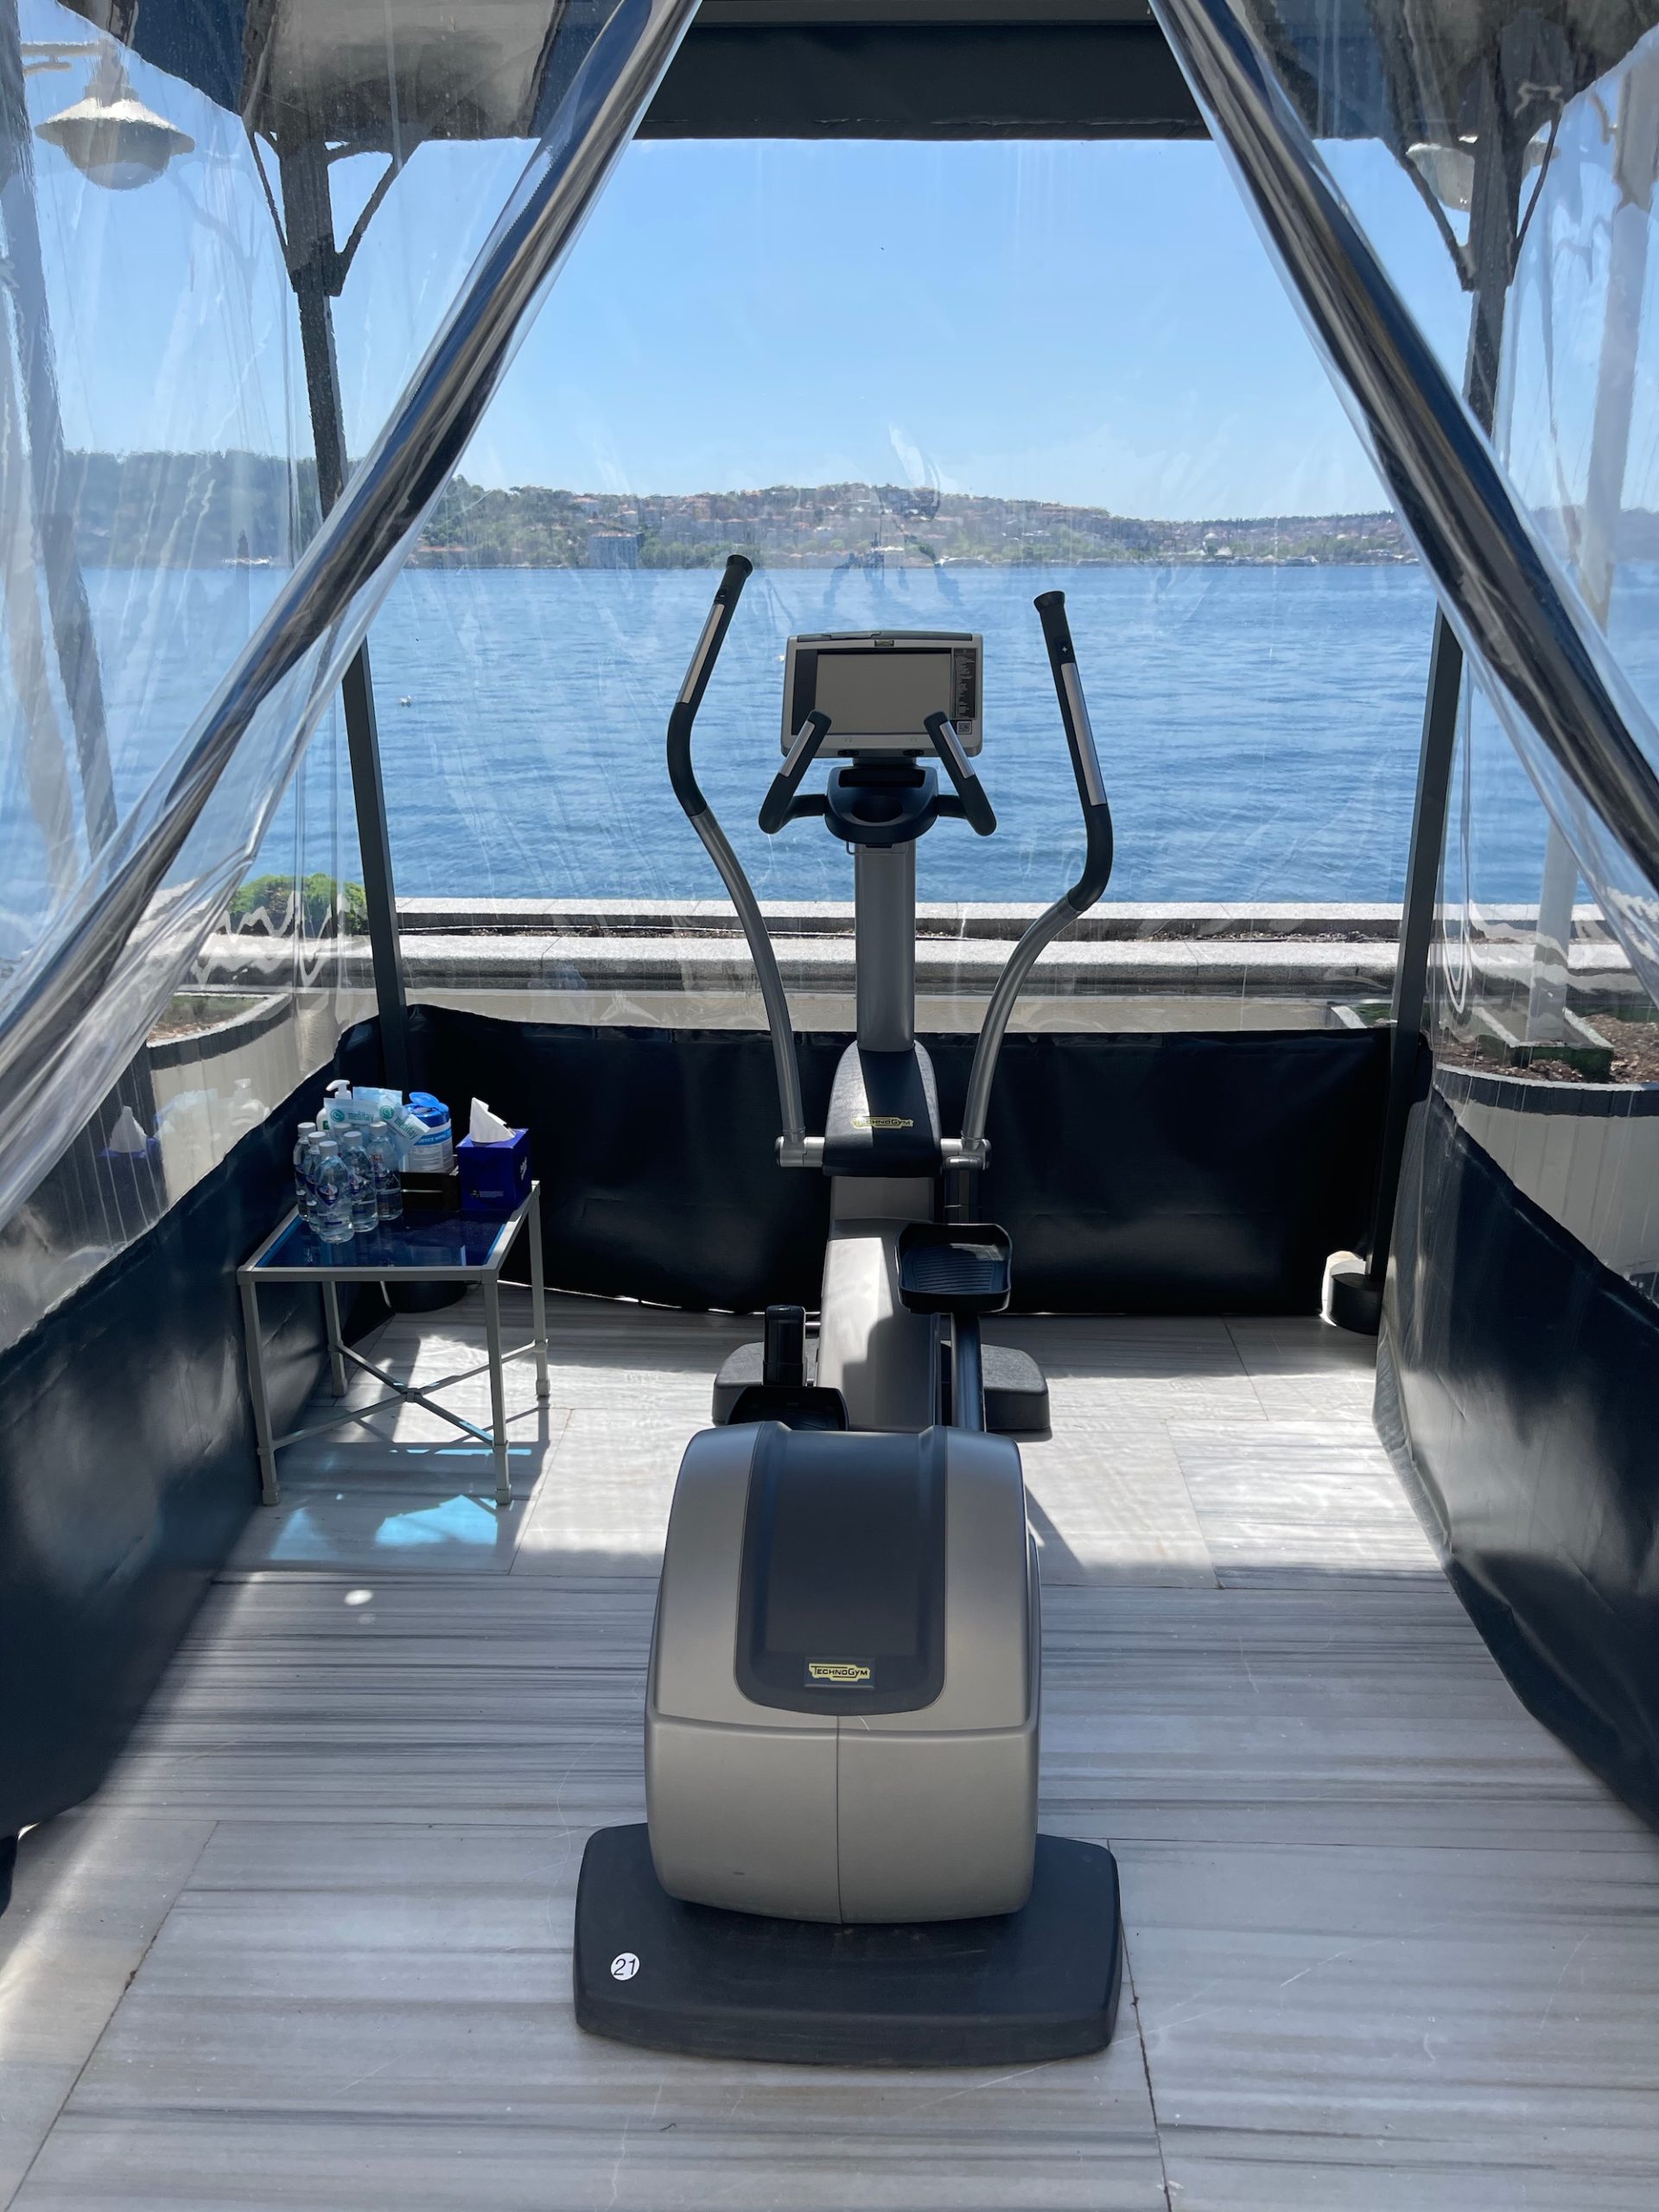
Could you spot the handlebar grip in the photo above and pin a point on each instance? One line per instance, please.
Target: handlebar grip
(982, 815)
(779, 803)
(728, 592)
(738, 571)
(976, 809)
(1085, 760)
(1074, 712)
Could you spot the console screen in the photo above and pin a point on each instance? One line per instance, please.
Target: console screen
(882, 694)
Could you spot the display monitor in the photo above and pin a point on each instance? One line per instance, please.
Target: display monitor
(879, 687)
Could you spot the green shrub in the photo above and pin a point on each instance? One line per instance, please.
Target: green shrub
(329, 908)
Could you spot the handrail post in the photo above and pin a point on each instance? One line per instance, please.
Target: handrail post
(1357, 1303)
(316, 270)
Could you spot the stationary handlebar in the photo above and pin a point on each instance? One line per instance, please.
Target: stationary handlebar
(977, 810)
(778, 805)
(783, 803)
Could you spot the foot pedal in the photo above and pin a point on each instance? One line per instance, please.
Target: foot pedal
(745, 1391)
(743, 1369)
(1016, 1395)
(955, 1267)
(797, 1404)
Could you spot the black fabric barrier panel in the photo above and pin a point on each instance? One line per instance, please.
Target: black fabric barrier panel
(1519, 1388)
(1179, 1173)
(127, 1467)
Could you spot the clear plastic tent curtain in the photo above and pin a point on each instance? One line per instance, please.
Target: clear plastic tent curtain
(868, 394)
(177, 614)
(1527, 135)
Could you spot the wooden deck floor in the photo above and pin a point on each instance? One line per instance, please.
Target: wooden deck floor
(1390, 1948)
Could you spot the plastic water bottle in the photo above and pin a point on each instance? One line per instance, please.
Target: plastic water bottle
(305, 1196)
(332, 1186)
(366, 1210)
(385, 1153)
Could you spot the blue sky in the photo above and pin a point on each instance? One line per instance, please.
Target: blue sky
(1094, 323)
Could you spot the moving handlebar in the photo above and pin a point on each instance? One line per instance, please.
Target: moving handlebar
(1096, 871)
(1085, 761)
(702, 818)
(728, 592)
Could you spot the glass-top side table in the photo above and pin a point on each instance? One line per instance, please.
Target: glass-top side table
(446, 1248)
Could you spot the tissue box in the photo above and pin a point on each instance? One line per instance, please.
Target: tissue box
(494, 1177)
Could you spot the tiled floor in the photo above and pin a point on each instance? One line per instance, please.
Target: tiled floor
(1390, 1948)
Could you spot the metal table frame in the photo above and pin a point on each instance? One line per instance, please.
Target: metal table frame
(328, 1276)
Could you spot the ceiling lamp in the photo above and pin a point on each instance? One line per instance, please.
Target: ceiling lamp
(1448, 171)
(113, 139)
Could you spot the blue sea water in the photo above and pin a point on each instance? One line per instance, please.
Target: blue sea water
(1259, 727)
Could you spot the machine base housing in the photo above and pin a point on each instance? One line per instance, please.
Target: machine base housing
(1038, 1984)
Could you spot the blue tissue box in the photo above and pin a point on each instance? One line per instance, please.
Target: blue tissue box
(494, 1177)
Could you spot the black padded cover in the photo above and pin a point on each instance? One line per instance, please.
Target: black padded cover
(1519, 1387)
(884, 1115)
(1027, 1986)
(842, 1605)
(1182, 1174)
(127, 1465)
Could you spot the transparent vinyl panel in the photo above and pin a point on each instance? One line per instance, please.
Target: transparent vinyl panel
(237, 268)
(916, 384)
(1546, 1045)
(1526, 140)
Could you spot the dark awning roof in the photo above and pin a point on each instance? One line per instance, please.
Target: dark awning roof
(817, 69)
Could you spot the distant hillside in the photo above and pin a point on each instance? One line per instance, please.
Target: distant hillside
(173, 510)
(187, 510)
(825, 525)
